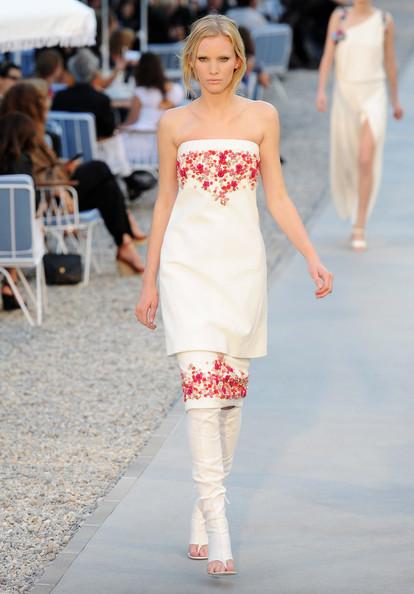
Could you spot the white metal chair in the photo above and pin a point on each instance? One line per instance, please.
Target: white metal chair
(66, 224)
(273, 45)
(21, 241)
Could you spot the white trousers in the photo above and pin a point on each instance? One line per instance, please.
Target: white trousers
(213, 434)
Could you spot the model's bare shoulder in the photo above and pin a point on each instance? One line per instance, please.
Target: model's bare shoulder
(170, 123)
(266, 115)
(266, 120)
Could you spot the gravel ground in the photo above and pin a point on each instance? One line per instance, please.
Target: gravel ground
(81, 395)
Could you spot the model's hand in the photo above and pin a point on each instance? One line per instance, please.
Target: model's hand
(321, 101)
(322, 277)
(398, 111)
(146, 308)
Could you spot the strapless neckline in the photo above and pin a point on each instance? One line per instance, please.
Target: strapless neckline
(206, 141)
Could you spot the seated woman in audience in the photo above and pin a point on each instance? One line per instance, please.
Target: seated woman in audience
(96, 187)
(153, 95)
(17, 138)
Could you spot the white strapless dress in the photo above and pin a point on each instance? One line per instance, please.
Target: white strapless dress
(213, 263)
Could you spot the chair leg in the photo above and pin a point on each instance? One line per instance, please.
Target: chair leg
(88, 250)
(39, 292)
(96, 255)
(44, 288)
(18, 296)
(27, 287)
(279, 88)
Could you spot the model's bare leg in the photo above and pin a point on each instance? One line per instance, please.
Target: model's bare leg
(365, 185)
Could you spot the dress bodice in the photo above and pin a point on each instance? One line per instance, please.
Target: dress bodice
(213, 261)
(359, 55)
(219, 167)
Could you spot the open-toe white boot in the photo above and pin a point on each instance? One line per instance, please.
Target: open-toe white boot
(204, 430)
(230, 422)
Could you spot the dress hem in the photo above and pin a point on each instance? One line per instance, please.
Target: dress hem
(238, 355)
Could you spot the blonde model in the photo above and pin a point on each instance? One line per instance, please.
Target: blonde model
(361, 41)
(206, 240)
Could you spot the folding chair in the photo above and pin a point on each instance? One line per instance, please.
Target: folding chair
(78, 133)
(21, 241)
(273, 45)
(65, 224)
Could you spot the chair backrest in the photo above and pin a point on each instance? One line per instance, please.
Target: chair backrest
(273, 47)
(141, 148)
(17, 215)
(78, 133)
(169, 54)
(251, 89)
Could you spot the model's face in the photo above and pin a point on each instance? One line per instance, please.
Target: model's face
(215, 63)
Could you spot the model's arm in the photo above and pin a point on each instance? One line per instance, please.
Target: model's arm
(390, 64)
(279, 204)
(326, 61)
(146, 307)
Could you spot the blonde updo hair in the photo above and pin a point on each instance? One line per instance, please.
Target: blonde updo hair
(212, 26)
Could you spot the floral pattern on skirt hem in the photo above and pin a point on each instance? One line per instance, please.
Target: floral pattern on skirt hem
(213, 378)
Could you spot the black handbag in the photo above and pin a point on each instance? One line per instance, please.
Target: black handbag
(62, 269)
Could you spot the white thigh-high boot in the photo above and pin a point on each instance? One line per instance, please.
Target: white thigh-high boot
(230, 422)
(208, 474)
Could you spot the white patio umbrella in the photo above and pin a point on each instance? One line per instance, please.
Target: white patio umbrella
(27, 24)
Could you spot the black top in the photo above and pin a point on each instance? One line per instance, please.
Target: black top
(22, 165)
(83, 98)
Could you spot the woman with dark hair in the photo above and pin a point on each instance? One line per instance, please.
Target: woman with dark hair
(97, 187)
(154, 93)
(17, 140)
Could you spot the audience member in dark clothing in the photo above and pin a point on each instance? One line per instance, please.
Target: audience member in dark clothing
(9, 74)
(97, 187)
(82, 97)
(309, 21)
(17, 138)
(49, 66)
(213, 7)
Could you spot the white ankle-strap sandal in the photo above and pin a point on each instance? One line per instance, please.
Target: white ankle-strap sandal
(358, 244)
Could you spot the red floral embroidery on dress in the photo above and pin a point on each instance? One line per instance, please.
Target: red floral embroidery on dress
(219, 172)
(222, 382)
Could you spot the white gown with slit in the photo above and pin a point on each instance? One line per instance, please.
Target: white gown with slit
(359, 96)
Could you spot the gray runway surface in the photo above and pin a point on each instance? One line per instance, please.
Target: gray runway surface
(323, 483)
